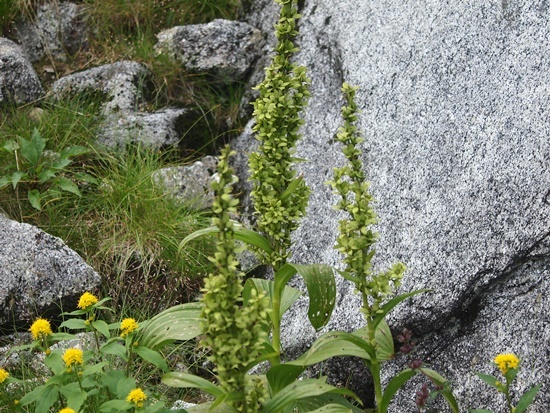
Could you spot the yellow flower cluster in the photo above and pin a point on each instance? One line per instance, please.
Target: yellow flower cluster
(73, 356)
(67, 410)
(127, 326)
(86, 300)
(40, 329)
(506, 362)
(136, 396)
(3, 375)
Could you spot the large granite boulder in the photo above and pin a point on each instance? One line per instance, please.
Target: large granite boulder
(38, 273)
(454, 100)
(18, 80)
(57, 31)
(190, 184)
(124, 86)
(222, 47)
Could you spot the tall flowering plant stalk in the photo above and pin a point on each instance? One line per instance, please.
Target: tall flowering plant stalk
(356, 242)
(234, 333)
(280, 196)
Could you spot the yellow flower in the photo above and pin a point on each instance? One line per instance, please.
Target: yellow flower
(3, 375)
(137, 397)
(506, 362)
(86, 300)
(40, 329)
(67, 410)
(73, 356)
(127, 326)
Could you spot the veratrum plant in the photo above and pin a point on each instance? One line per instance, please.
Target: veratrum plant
(355, 242)
(236, 323)
(280, 197)
(41, 172)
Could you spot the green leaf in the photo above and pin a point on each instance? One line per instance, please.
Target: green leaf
(300, 390)
(34, 199)
(94, 368)
(185, 380)
(102, 327)
(208, 408)
(16, 177)
(291, 188)
(321, 287)
(333, 344)
(386, 308)
(181, 322)
(115, 406)
(74, 324)
(61, 163)
(11, 146)
(74, 150)
(111, 379)
(282, 375)
(152, 357)
(124, 387)
(385, 349)
(32, 150)
(439, 380)
(67, 185)
(74, 395)
(4, 181)
(114, 347)
(242, 234)
(44, 396)
(326, 403)
(481, 411)
(393, 386)
(45, 175)
(490, 380)
(289, 296)
(527, 399)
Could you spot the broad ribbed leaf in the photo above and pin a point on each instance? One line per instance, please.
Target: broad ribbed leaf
(321, 288)
(282, 375)
(241, 233)
(325, 403)
(289, 296)
(333, 344)
(185, 380)
(386, 308)
(394, 385)
(181, 322)
(208, 408)
(299, 390)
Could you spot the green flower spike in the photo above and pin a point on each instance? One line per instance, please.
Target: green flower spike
(233, 333)
(280, 197)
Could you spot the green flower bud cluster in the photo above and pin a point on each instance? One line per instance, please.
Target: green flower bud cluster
(233, 332)
(280, 197)
(356, 239)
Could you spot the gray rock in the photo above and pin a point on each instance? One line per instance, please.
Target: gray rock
(190, 184)
(222, 47)
(57, 30)
(37, 272)
(454, 100)
(123, 84)
(18, 80)
(159, 129)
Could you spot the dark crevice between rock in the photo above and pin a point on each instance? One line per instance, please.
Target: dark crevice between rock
(459, 321)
